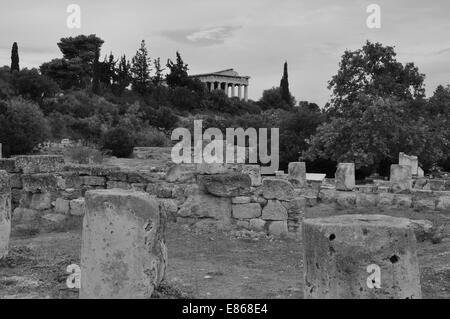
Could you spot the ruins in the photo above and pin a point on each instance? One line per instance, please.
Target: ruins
(228, 81)
(123, 213)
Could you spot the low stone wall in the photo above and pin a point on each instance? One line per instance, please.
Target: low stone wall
(379, 196)
(48, 195)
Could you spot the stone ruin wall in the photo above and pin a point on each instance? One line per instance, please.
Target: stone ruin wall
(48, 194)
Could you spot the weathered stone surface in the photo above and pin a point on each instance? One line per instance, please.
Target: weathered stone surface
(41, 201)
(254, 171)
(327, 195)
(25, 217)
(118, 185)
(241, 200)
(403, 201)
(181, 173)
(123, 251)
(411, 161)
(345, 177)
(53, 222)
(246, 211)
(346, 199)
(62, 206)
(338, 251)
(278, 228)
(71, 193)
(423, 229)
(16, 181)
(5, 213)
(94, 180)
(297, 174)
(386, 199)
(366, 199)
(243, 224)
(77, 207)
(169, 207)
(257, 224)
(420, 172)
(226, 185)
(206, 206)
(273, 188)
(42, 183)
(436, 184)
(138, 187)
(164, 190)
(34, 164)
(443, 203)
(420, 183)
(91, 170)
(8, 165)
(274, 210)
(401, 178)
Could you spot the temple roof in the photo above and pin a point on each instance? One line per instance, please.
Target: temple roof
(226, 73)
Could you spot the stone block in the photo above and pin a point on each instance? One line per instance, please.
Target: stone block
(274, 210)
(225, 185)
(118, 185)
(94, 180)
(123, 252)
(327, 195)
(34, 164)
(53, 222)
(278, 228)
(181, 173)
(411, 161)
(346, 199)
(206, 206)
(41, 201)
(254, 171)
(62, 206)
(345, 177)
(42, 183)
(257, 224)
(366, 199)
(16, 181)
(5, 213)
(401, 178)
(386, 199)
(241, 200)
(246, 211)
(297, 174)
(443, 203)
(273, 188)
(8, 165)
(341, 253)
(77, 207)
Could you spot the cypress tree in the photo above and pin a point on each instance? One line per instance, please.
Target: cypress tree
(15, 58)
(284, 85)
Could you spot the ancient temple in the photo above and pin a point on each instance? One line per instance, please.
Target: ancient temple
(228, 81)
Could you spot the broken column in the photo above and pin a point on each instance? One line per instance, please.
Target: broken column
(297, 174)
(409, 160)
(5, 213)
(345, 177)
(360, 257)
(401, 178)
(123, 252)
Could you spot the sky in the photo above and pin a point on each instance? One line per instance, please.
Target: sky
(254, 37)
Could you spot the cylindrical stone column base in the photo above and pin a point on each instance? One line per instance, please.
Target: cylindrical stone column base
(360, 257)
(123, 251)
(5, 213)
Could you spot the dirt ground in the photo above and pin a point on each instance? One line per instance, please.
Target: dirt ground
(206, 263)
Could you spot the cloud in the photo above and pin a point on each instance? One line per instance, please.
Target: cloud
(203, 37)
(443, 51)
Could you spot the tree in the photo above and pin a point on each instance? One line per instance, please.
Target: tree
(273, 99)
(96, 74)
(32, 85)
(284, 86)
(122, 76)
(158, 78)
(373, 70)
(76, 68)
(15, 58)
(140, 69)
(119, 142)
(178, 73)
(23, 126)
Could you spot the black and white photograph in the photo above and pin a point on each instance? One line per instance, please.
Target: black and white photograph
(223, 156)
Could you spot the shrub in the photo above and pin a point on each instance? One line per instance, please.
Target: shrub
(23, 126)
(83, 155)
(119, 142)
(151, 137)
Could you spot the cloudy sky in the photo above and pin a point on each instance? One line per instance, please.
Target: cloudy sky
(254, 37)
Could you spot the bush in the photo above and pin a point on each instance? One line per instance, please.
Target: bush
(119, 142)
(151, 137)
(83, 155)
(23, 126)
